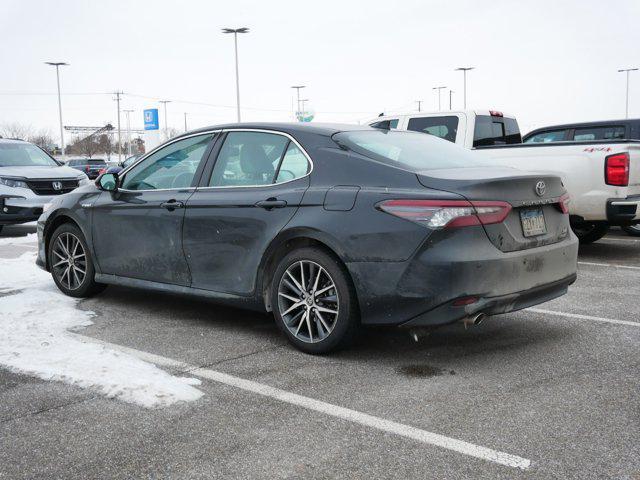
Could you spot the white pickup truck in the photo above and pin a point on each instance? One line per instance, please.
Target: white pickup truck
(602, 176)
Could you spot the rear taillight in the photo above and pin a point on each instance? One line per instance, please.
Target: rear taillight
(86, 169)
(616, 169)
(563, 203)
(447, 213)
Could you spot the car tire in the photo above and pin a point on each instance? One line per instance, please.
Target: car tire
(312, 327)
(76, 277)
(633, 230)
(590, 232)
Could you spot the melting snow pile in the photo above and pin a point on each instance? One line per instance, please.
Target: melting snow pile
(35, 319)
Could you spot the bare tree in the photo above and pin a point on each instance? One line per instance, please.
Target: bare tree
(43, 139)
(16, 130)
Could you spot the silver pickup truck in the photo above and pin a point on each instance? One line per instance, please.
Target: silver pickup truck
(30, 178)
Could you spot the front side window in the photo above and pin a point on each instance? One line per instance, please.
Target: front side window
(408, 150)
(599, 133)
(443, 127)
(173, 166)
(257, 158)
(24, 155)
(547, 137)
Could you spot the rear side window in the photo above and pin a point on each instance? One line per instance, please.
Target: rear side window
(408, 150)
(547, 137)
(386, 124)
(495, 131)
(443, 127)
(587, 134)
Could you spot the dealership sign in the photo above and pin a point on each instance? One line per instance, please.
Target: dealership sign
(151, 119)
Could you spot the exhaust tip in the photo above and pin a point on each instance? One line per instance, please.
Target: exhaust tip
(478, 319)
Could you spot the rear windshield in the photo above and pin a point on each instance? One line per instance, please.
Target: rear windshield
(495, 131)
(24, 155)
(409, 150)
(96, 162)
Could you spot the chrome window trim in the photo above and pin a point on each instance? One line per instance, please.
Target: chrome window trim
(159, 147)
(274, 132)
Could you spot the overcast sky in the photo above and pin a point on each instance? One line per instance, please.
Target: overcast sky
(544, 61)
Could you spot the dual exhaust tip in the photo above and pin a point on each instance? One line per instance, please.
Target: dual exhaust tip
(421, 332)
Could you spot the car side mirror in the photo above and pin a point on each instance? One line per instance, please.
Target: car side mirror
(108, 182)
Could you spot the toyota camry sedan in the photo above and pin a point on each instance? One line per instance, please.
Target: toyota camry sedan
(327, 226)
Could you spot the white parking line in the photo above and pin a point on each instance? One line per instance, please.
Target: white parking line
(609, 265)
(347, 414)
(614, 239)
(584, 317)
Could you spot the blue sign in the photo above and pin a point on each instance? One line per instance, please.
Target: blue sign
(151, 119)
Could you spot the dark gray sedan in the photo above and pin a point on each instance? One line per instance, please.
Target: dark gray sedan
(327, 226)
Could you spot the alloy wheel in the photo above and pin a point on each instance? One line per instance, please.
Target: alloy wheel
(308, 301)
(69, 261)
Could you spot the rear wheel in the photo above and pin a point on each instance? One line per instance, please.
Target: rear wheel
(71, 264)
(632, 230)
(590, 232)
(314, 301)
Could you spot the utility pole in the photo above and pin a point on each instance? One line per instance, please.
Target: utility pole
(235, 32)
(117, 94)
(302, 102)
(451, 92)
(127, 112)
(626, 103)
(439, 89)
(419, 105)
(58, 65)
(464, 71)
(298, 87)
(185, 121)
(166, 125)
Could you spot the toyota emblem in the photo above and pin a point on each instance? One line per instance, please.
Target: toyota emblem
(541, 188)
(57, 185)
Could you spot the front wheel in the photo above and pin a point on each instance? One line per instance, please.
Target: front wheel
(590, 232)
(314, 301)
(633, 230)
(70, 262)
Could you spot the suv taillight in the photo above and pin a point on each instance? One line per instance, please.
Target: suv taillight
(616, 169)
(447, 213)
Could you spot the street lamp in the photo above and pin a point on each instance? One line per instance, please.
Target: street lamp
(235, 32)
(451, 92)
(439, 89)
(298, 87)
(58, 65)
(626, 108)
(302, 102)
(464, 72)
(419, 102)
(185, 121)
(166, 125)
(127, 112)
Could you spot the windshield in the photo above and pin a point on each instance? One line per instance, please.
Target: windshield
(409, 150)
(24, 155)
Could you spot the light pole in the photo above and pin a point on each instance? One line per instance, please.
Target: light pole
(58, 65)
(235, 32)
(419, 102)
(451, 92)
(127, 112)
(626, 104)
(464, 71)
(185, 121)
(439, 89)
(166, 125)
(298, 87)
(117, 94)
(302, 102)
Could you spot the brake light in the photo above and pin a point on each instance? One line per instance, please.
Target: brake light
(495, 113)
(616, 169)
(563, 203)
(447, 213)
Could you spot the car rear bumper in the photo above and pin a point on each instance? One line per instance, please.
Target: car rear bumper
(623, 211)
(455, 264)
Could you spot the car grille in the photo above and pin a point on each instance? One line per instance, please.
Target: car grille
(46, 187)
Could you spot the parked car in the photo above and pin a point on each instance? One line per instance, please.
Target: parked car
(326, 226)
(29, 179)
(599, 166)
(627, 129)
(90, 166)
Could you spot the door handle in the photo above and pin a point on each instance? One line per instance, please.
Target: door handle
(270, 203)
(171, 205)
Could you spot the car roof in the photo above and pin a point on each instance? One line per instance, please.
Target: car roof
(603, 123)
(324, 129)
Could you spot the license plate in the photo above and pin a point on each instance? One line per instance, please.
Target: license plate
(533, 222)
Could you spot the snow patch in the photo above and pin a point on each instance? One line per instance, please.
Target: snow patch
(30, 238)
(36, 323)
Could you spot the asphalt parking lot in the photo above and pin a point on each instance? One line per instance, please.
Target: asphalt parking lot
(551, 392)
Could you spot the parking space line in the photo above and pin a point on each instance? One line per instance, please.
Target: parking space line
(594, 264)
(613, 239)
(424, 436)
(584, 317)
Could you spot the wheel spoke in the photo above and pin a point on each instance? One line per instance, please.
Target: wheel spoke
(295, 282)
(60, 255)
(327, 310)
(302, 320)
(324, 324)
(78, 269)
(309, 326)
(325, 289)
(64, 249)
(289, 297)
(292, 307)
(60, 262)
(302, 282)
(315, 283)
